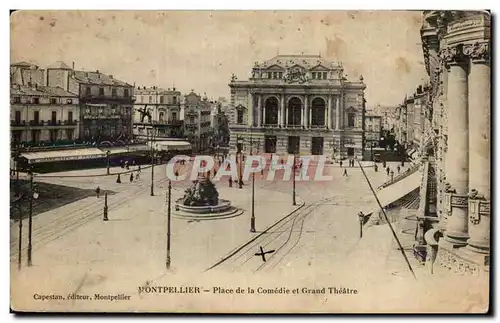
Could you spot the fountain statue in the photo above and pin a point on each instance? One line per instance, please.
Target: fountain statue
(201, 193)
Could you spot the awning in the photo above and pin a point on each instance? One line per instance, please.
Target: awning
(63, 155)
(139, 148)
(173, 145)
(115, 150)
(394, 192)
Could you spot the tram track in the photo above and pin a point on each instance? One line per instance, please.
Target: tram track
(281, 234)
(69, 222)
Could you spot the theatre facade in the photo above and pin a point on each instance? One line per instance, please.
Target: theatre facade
(298, 104)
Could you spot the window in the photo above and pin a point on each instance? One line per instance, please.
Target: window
(161, 99)
(88, 91)
(69, 134)
(17, 99)
(174, 116)
(36, 116)
(150, 99)
(36, 100)
(18, 117)
(125, 93)
(161, 116)
(325, 75)
(350, 119)
(101, 91)
(54, 116)
(239, 117)
(70, 116)
(313, 75)
(35, 135)
(280, 75)
(174, 99)
(53, 101)
(53, 135)
(113, 92)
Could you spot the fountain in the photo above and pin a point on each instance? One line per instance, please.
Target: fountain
(201, 202)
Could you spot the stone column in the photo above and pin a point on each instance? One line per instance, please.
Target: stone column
(337, 113)
(479, 147)
(250, 120)
(286, 115)
(328, 120)
(282, 120)
(304, 116)
(457, 164)
(264, 115)
(259, 110)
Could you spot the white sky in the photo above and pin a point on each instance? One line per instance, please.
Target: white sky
(200, 49)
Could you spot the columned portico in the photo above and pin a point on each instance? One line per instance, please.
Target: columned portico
(457, 164)
(259, 111)
(282, 116)
(328, 119)
(337, 113)
(479, 147)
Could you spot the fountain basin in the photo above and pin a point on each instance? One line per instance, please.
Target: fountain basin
(222, 206)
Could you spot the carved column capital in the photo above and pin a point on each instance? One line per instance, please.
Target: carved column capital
(478, 207)
(452, 55)
(478, 52)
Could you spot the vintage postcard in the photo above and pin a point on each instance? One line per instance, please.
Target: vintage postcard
(250, 161)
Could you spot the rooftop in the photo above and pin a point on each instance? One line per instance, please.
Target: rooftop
(307, 61)
(39, 91)
(97, 78)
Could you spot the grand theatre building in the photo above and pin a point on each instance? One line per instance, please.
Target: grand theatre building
(298, 104)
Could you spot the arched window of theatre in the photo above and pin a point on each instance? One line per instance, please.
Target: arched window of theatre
(351, 117)
(161, 116)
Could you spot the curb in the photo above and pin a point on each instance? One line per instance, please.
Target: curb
(302, 204)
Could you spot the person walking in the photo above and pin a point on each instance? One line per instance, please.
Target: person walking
(230, 182)
(131, 177)
(118, 179)
(388, 170)
(139, 168)
(345, 172)
(97, 191)
(340, 162)
(392, 175)
(399, 169)
(375, 168)
(122, 164)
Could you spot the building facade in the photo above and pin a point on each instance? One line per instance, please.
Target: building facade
(43, 114)
(456, 47)
(105, 102)
(373, 129)
(197, 125)
(298, 104)
(164, 106)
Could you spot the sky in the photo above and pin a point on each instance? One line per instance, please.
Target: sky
(200, 50)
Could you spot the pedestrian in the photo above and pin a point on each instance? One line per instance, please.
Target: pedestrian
(230, 182)
(118, 179)
(403, 163)
(345, 172)
(126, 165)
(340, 162)
(122, 164)
(97, 191)
(388, 170)
(139, 168)
(392, 175)
(384, 164)
(376, 168)
(399, 169)
(131, 177)
(262, 172)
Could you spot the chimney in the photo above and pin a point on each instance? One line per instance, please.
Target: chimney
(173, 89)
(73, 65)
(97, 71)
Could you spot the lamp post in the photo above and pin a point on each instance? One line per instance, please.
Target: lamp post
(252, 219)
(20, 233)
(169, 203)
(361, 217)
(107, 162)
(293, 180)
(33, 195)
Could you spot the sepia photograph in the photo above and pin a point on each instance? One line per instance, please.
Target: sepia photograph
(250, 161)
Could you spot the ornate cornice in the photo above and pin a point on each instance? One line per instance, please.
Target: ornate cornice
(452, 55)
(478, 51)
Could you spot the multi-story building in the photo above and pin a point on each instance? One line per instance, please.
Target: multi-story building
(455, 212)
(43, 114)
(164, 106)
(298, 104)
(105, 102)
(373, 129)
(197, 127)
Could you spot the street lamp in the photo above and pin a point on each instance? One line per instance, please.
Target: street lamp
(107, 162)
(169, 203)
(33, 195)
(293, 180)
(252, 219)
(361, 217)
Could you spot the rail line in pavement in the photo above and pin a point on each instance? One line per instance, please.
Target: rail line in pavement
(282, 230)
